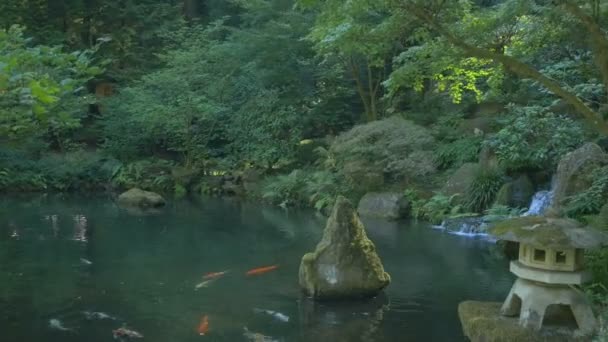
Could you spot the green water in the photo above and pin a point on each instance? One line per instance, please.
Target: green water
(145, 267)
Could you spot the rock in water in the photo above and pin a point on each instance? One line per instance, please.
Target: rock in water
(575, 173)
(387, 205)
(344, 264)
(140, 198)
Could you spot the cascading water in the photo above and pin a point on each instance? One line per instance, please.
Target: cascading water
(476, 226)
(540, 203)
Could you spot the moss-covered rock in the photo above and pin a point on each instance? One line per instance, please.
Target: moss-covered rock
(140, 198)
(516, 194)
(460, 181)
(574, 172)
(482, 322)
(344, 264)
(387, 205)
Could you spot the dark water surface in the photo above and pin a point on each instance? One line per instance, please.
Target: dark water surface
(145, 267)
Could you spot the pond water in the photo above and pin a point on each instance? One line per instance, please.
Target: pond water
(144, 267)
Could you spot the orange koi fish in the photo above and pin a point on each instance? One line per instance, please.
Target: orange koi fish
(213, 275)
(203, 327)
(261, 270)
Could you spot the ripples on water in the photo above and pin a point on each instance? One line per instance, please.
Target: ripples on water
(65, 255)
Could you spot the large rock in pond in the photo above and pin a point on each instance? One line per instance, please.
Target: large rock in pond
(344, 264)
(387, 205)
(574, 172)
(140, 198)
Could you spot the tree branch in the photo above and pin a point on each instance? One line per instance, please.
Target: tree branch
(522, 69)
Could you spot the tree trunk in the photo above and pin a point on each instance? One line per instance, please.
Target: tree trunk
(517, 67)
(365, 99)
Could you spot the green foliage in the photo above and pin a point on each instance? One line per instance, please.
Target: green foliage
(483, 189)
(397, 147)
(40, 87)
(591, 200)
(535, 139)
(435, 209)
(317, 189)
(74, 171)
(148, 174)
(458, 152)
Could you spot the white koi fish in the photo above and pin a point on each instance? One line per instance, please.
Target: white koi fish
(56, 324)
(277, 315)
(91, 315)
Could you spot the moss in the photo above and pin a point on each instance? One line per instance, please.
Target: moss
(516, 225)
(546, 232)
(481, 321)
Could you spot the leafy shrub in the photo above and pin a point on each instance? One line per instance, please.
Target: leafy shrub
(318, 189)
(72, 171)
(592, 199)
(458, 152)
(285, 189)
(435, 209)
(483, 189)
(148, 174)
(535, 139)
(397, 147)
(322, 188)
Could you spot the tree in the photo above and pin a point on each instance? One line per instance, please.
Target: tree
(359, 35)
(41, 87)
(493, 42)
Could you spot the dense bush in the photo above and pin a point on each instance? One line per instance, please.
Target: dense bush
(533, 138)
(147, 174)
(317, 189)
(458, 152)
(74, 171)
(397, 147)
(591, 200)
(434, 209)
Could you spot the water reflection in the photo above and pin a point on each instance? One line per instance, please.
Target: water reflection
(80, 228)
(343, 321)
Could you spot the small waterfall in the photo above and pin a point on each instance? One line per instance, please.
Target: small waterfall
(540, 202)
(465, 226)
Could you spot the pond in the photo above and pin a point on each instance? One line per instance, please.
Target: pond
(61, 256)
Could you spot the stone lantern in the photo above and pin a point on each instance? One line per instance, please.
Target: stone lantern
(550, 264)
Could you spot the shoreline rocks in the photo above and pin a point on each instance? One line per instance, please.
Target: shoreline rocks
(139, 198)
(387, 205)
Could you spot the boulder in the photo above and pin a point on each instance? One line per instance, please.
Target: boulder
(482, 322)
(516, 193)
(574, 172)
(460, 181)
(387, 205)
(345, 264)
(140, 198)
